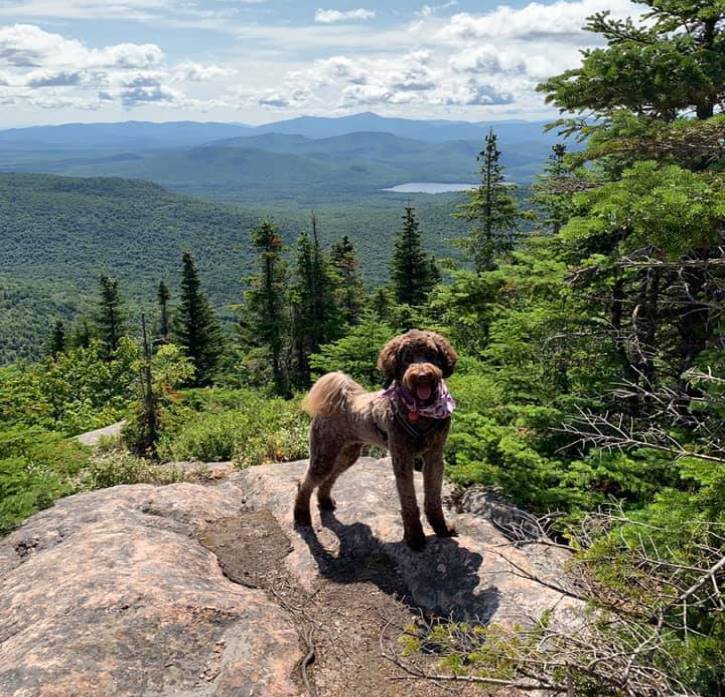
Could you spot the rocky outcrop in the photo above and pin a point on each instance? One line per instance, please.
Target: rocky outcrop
(206, 589)
(94, 438)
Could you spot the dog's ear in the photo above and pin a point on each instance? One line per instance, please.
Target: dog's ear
(447, 354)
(389, 359)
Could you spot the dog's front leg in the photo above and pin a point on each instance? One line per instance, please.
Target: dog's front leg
(403, 466)
(432, 486)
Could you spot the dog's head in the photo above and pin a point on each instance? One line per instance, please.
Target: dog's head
(418, 361)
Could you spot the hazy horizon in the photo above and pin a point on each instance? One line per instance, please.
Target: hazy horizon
(263, 122)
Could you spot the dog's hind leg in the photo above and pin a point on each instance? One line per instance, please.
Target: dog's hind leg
(323, 454)
(346, 458)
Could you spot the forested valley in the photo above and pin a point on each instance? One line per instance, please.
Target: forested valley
(587, 310)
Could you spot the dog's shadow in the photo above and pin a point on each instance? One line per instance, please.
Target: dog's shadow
(441, 580)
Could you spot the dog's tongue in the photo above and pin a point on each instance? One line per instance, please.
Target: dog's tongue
(423, 391)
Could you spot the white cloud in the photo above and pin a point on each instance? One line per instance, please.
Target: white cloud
(562, 20)
(48, 70)
(332, 16)
(414, 78)
(49, 78)
(190, 71)
(431, 10)
(438, 61)
(134, 10)
(28, 46)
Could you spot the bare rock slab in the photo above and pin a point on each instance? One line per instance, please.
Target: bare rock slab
(473, 576)
(149, 591)
(110, 594)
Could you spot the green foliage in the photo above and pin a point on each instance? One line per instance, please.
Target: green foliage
(163, 295)
(136, 231)
(266, 313)
(57, 340)
(492, 207)
(155, 387)
(316, 315)
(667, 207)
(78, 391)
(36, 467)
(110, 315)
(196, 329)
(412, 271)
(356, 353)
(550, 194)
(668, 66)
(239, 425)
(351, 291)
(465, 307)
(114, 468)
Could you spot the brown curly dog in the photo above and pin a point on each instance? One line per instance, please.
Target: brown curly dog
(410, 418)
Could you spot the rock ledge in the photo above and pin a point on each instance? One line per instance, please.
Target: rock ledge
(193, 590)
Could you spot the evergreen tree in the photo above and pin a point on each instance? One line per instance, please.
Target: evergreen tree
(57, 339)
(493, 209)
(110, 320)
(552, 193)
(82, 334)
(196, 329)
(352, 292)
(411, 270)
(316, 314)
(164, 295)
(381, 303)
(148, 413)
(267, 319)
(638, 213)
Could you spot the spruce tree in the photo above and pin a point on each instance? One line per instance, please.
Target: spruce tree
(492, 208)
(649, 227)
(551, 192)
(110, 320)
(196, 329)
(351, 291)
(57, 339)
(317, 318)
(267, 320)
(381, 303)
(163, 295)
(148, 412)
(411, 270)
(82, 335)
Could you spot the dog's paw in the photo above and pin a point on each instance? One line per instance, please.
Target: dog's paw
(303, 519)
(416, 542)
(447, 531)
(326, 504)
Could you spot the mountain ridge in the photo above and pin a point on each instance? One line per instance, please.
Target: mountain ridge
(147, 133)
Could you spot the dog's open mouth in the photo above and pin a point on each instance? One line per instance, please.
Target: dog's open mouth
(423, 391)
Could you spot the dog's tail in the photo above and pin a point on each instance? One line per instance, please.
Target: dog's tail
(331, 393)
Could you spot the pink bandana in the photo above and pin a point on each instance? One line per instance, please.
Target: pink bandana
(405, 401)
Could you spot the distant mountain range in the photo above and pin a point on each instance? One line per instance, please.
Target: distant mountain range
(137, 135)
(298, 162)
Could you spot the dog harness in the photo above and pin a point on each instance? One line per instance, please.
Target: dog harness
(407, 409)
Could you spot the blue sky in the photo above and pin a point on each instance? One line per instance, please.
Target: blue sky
(253, 61)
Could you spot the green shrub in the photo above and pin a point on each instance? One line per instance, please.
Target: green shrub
(240, 425)
(36, 468)
(118, 467)
(355, 354)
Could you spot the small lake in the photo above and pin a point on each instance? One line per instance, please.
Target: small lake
(428, 188)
